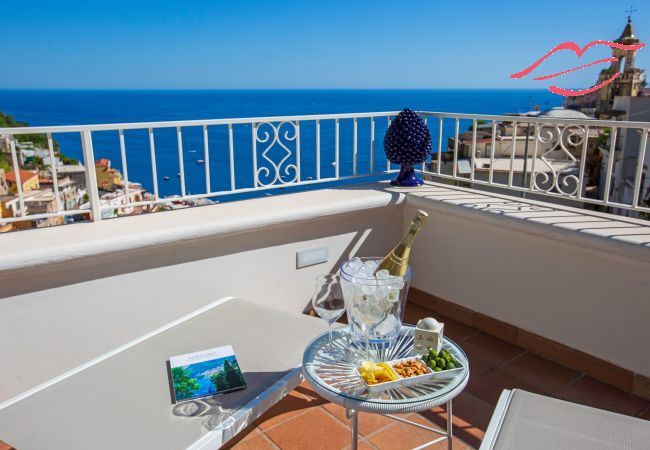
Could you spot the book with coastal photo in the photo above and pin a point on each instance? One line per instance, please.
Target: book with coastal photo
(205, 373)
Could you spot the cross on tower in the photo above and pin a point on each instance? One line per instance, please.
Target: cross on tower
(629, 12)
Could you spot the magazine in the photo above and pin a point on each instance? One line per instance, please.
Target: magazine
(205, 373)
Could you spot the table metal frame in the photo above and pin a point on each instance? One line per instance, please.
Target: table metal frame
(353, 415)
(355, 405)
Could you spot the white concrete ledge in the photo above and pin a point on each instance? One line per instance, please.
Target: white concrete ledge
(610, 233)
(38, 247)
(605, 232)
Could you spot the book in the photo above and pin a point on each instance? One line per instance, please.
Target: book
(205, 373)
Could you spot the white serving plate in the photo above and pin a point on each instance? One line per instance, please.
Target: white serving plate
(400, 382)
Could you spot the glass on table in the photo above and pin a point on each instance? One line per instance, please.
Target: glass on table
(328, 300)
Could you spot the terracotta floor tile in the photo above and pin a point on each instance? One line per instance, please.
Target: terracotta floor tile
(539, 372)
(488, 387)
(290, 406)
(368, 423)
(246, 434)
(405, 436)
(257, 442)
(471, 418)
(315, 429)
(473, 410)
(457, 444)
(590, 392)
(308, 392)
(305, 385)
(478, 366)
(489, 349)
(362, 444)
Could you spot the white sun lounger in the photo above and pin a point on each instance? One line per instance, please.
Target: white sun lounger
(523, 420)
(122, 399)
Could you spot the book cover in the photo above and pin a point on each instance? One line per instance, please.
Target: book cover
(205, 373)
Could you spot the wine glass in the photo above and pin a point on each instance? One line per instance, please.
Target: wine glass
(328, 300)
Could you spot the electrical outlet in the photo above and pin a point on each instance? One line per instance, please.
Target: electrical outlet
(311, 256)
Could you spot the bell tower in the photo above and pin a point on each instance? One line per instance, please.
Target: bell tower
(631, 81)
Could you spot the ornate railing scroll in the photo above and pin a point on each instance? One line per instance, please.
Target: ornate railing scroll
(281, 136)
(568, 156)
(554, 139)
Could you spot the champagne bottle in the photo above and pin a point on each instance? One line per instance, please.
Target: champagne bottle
(397, 261)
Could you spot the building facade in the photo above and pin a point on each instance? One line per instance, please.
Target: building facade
(626, 162)
(28, 180)
(108, 178)
(630, 82)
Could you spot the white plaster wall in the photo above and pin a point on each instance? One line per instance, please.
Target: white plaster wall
(589, 294)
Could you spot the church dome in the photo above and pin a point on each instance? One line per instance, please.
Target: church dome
(628, 36)
(562, 113)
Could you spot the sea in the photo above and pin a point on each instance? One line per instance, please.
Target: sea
(81, 107)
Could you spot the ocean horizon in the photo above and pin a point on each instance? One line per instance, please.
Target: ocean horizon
(43, 107)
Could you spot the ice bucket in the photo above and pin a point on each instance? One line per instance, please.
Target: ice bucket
(365, 296)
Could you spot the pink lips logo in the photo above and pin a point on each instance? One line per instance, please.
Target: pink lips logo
(579, 52)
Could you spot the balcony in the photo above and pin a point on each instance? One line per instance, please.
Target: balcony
(598, 164)
(542, 293)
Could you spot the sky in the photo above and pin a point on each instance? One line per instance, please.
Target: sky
(248, 44)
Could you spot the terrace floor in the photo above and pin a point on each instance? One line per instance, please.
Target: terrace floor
(303, 419)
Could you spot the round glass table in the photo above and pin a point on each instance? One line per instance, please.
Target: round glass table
(331, 371)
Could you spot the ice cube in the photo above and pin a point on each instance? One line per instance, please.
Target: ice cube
(366, 272)
(368, 269)
(372, 264)
(382, 274)
(369, 311)
(353, 265)
(392, 294)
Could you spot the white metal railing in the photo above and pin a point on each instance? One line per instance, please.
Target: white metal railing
(279, 153)
(267, 135)
(550, 142)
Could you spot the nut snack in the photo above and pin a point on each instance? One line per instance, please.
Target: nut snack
(409, 368)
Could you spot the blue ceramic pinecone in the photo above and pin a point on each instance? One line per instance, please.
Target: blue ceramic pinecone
(407, 141)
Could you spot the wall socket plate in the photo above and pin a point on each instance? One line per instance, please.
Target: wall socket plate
(311, 256)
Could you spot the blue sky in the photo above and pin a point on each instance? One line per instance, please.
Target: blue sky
(301, 44)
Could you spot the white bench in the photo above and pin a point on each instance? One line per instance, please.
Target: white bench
(122, 399)
(522, 420)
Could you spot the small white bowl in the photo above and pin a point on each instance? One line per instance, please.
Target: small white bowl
(379, 387)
